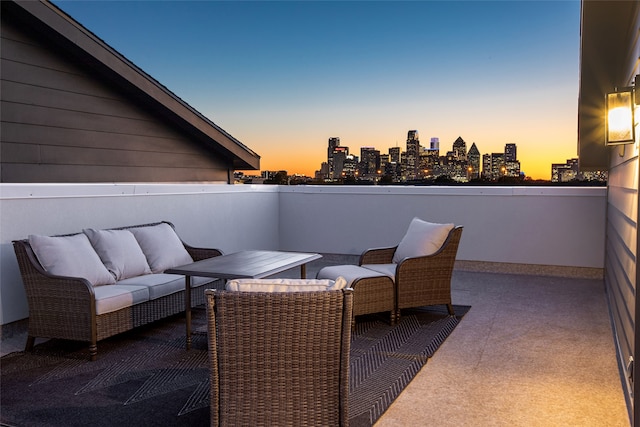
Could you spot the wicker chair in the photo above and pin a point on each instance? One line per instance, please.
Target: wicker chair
(420, 281)
(374, 292)
(279, 358)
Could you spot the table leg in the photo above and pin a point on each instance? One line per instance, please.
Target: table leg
(187, 309)
(303, 271)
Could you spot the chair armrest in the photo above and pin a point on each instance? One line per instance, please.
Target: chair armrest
(377, 256)
(202, 253)
(431, 265)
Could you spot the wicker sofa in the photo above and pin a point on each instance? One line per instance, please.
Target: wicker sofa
(88, 305)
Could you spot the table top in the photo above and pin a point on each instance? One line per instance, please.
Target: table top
(245, 264)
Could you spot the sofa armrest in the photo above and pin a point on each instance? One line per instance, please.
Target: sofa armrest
(202, 253)
(196, 253)
(377, 256)
(58, 305)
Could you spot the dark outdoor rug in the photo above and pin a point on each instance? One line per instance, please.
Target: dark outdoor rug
(145, 377)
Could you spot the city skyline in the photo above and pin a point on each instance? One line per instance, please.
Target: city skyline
(419, 162)
(456, 165)
(282, 77)
(409, 157)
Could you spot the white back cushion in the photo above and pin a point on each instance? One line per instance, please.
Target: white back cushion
(162, 247)
(119, 251)
(285, 285)
(422, 238)
(71, 256)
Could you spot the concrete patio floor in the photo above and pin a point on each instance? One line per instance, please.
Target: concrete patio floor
(534, 350)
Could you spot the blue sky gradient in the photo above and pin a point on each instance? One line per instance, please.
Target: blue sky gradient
(283, 77)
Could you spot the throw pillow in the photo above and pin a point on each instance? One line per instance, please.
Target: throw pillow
(422, 238)
(285, 285)
(119, 251)
(162, 247)
(71, 256)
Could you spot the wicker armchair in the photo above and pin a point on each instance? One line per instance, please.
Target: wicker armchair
(420, 281)
(279, 358)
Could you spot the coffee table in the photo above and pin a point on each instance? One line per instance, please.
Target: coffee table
(237, 265)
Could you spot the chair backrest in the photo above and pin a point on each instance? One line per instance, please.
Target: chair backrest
(279, 358)
(453, 241)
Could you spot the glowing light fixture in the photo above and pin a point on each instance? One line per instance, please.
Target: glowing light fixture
(620, 117)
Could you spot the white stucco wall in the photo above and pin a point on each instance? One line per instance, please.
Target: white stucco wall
(529, 225)
(221, 216)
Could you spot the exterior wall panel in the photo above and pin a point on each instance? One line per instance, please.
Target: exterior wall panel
(26, 134)
(610, 48)
(621, 264)
(60, 123)
(622, 316)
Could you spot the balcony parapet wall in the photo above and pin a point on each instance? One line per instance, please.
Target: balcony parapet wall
(557, 226)
(561, 226)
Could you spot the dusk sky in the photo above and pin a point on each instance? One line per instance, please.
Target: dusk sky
(284, 77)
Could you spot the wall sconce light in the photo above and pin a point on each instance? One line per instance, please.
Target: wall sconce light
(620, 116)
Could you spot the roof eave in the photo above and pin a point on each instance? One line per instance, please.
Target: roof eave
(112, 62)
(604, 39)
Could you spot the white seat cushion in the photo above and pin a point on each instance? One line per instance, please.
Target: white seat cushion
(422, 238)
(285, 285)
(162, 247)
(71, 256)
(349, 272)
(119, 251)
(115, 297)
(388, 270)
(161, 285)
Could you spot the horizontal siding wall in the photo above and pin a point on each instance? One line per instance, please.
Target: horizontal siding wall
(62, 124)
(621, 256)
(621, 273)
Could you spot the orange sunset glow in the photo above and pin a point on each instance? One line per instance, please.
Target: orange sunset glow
(283, 77)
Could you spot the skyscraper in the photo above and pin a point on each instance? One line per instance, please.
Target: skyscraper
(333, 143)
(498, 168)
(370, 160)
(413, 154)
(486, 166)
(349, 166)
(511, 162)
(394, 154)
(338, 157)
(460, 149)
(510, 154)
(473, 159)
